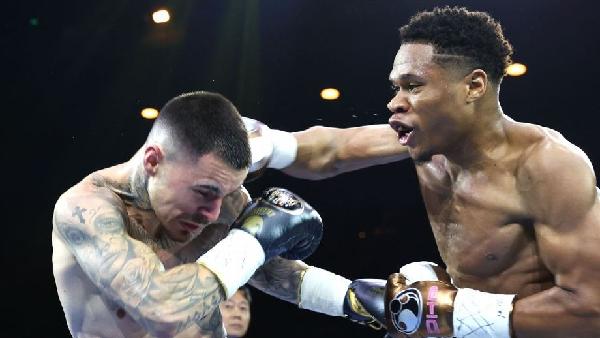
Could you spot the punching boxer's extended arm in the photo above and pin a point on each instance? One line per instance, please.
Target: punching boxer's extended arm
(321, 152)
(324, 151)
(562, 196)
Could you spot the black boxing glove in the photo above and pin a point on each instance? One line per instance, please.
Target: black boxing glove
(283, 223)
(277, 223)
(361, 301)
(365, 302)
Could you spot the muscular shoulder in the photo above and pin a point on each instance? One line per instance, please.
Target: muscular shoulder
(555, 175)
(84, 198)
(550, 154)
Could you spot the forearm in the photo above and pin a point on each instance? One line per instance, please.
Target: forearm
(309, 287)
(324, 152)
(280, 278)
(557, 313)
(166, 302)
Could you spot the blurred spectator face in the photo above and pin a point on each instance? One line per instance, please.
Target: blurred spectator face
(236, 315)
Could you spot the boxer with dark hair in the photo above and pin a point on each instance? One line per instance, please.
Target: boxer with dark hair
(144, 249)
(513, 206)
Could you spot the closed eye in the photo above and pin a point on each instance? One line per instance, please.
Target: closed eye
(204, 194)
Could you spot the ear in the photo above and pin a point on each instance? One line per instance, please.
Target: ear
(153, 155)
(477, 83)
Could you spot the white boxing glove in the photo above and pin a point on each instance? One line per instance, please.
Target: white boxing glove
(270, 148)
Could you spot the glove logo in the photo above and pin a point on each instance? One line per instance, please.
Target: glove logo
(406, 310)
(252, 224)
(283, 199)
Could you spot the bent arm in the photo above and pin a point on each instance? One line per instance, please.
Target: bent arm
(280, 278)
(93, 226)
(325, 151)
(564, 202)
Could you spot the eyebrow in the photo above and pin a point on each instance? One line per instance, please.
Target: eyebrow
(211, 188)
(407, 77)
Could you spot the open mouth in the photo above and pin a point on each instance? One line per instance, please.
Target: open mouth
(404, 131)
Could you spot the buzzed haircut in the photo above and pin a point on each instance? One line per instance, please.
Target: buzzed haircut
(461, 38)
(203, 122)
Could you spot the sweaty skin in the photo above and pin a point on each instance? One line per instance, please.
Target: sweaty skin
(513, 206)
(120, 272)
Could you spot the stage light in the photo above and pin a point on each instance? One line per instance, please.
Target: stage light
(149, 113)
(161, 16)
(330, 94)
(516, 69)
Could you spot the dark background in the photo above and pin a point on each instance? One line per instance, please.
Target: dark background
(76, 75)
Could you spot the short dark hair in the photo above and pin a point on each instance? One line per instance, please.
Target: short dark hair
(204, 122)
(246, 292)
(456, 31)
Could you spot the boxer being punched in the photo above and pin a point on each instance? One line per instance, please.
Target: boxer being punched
(143, 248)
(513, 206)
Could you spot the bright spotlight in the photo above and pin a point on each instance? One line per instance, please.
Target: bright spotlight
(516, 69)
(330, 94)
(161, 16)
(149, 113)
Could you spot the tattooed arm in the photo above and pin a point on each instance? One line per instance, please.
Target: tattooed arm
(319, 290)
(128, 272)
(281, 278)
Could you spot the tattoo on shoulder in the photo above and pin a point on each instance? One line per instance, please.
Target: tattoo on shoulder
(73, 234)
(108, 224)
(79, 213)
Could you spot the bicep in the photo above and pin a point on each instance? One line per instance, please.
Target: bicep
(570, 250)
(565, 206)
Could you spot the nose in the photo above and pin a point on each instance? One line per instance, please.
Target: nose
(398, 103)
(211, 209)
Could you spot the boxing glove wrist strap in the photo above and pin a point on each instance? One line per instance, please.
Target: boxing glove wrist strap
(234, 260)
(323, 291)
(285, 147)
(480, 314)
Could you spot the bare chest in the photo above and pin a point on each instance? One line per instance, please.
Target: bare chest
(480, 225)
